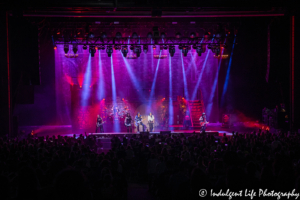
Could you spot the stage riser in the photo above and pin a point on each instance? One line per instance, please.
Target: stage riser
(105, 137)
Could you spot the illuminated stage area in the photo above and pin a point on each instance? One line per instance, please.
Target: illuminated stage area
(162, 85)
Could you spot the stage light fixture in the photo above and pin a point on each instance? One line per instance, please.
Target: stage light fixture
(137, 50)
(84, 47)
(200, 50)
(91, 35)
(118, 35)
(172, 50)
(131, 47)
(178, 35)
(92, 51)
(163, 35)
(154, 47)
(55, 47)
(134, 35)
(109, 50)
(103, 35)
(185, 50)
(149, 35)
(145, 48)
(75, 48)
(192, 35)
(66, 48)
(165, 47)
(124, 50)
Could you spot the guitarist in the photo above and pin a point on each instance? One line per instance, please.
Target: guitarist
(203, 122)
(138, 122)
(151, 121)
(99, 124)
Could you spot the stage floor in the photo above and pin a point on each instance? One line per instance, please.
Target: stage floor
(105, 138)
(158, 132)
(66, 130)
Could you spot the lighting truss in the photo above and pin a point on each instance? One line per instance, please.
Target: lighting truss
(138, 41)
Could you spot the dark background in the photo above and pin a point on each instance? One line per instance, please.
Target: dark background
(248, 92)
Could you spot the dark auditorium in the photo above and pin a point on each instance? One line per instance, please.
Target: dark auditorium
(149, 100)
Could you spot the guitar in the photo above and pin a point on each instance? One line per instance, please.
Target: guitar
(99, 124)
(138, 120)
(203, 123)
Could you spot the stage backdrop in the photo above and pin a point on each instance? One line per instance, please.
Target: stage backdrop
(143, 79)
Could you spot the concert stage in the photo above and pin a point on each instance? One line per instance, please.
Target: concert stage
(185, 132)
(215, 128)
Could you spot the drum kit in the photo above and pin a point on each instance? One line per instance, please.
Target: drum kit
(117, 114)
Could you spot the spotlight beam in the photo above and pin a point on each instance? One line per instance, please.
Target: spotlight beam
(86, 83)
(186, 93)
(227, 74)
(155, 76)
(210, 101)
(133, 78)
(170, 92)
(154, 82)
(200, 76)
(114, 93)
(113, 83)
(101, 91)
(192, 63)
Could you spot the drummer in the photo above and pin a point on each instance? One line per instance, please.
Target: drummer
(115, 110)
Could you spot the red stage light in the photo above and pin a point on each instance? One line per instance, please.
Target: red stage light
(96, 48)
(90, 86)
(55, 47)
(182, 97)
(103, 99)
(80, 86)
(122, 99)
